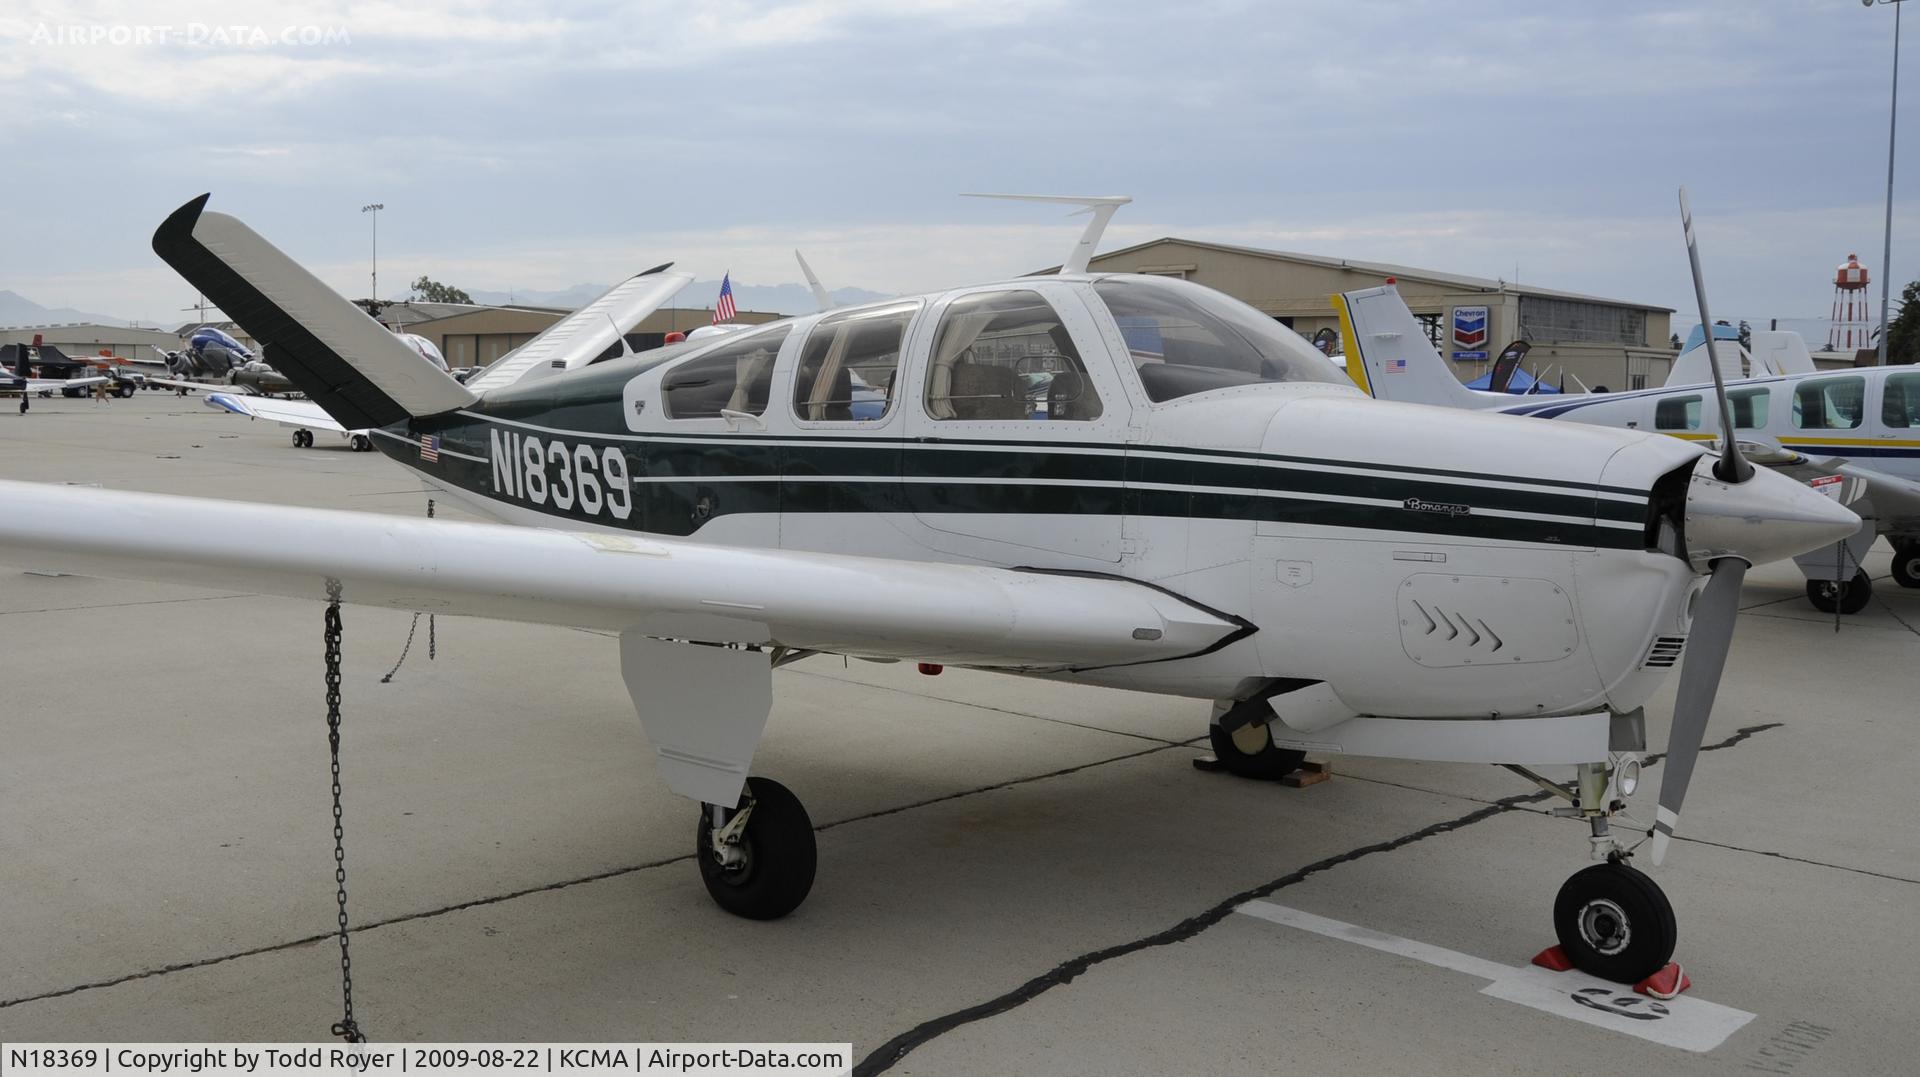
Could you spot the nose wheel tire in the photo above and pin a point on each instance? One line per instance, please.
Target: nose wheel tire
(1249, 752)
(1615, 923)
(1849, 597)
(1906, 564)
(774, 869)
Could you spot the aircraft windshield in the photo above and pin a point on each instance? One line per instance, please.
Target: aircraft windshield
(1185, 339)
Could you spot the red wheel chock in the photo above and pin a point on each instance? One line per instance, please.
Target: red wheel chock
(1553, 958)
(1664, 985)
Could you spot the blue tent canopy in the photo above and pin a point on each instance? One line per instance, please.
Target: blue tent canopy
(1521, 382)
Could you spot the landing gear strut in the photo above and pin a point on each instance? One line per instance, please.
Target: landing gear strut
(757, 858)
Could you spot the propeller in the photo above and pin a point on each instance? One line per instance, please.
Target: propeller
(1717, 609)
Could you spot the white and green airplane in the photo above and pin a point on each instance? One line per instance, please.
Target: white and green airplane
(1103, 479)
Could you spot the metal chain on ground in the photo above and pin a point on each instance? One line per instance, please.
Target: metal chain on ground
(432, 647)
(432, 644)
(346, 1028)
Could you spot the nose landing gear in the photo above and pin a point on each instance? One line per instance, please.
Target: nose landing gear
(1611, 919)
(1614, 922)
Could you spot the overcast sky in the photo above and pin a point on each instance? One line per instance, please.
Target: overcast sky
(517, 146)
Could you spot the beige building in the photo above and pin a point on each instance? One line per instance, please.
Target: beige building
(81, 339)
(1595, 341)
(478, 335)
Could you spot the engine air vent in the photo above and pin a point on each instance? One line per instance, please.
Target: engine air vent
(1666, 651)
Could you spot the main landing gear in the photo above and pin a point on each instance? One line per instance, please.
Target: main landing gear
(1906, 564)
(1851, 596)
(303, 439)
(1249, 752)
(1611, 919)
(360, 443)
(758, 857)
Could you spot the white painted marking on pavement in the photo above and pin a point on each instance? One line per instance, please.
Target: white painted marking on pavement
(1688, 1023)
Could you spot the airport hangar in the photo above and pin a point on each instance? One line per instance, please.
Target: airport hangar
(1600, 342)
(80, 339)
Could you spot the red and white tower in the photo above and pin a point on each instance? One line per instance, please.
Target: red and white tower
(1852, 311)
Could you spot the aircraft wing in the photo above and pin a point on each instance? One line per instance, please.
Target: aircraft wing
(576, 339)
(304, 414)
(667, 588)
(1867, 491)
(50, 385)
(196, 386)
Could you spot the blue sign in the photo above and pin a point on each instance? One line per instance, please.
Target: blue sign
(1461, 357)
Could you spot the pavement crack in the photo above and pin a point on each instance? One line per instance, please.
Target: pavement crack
(563, 884)
(889, 1054)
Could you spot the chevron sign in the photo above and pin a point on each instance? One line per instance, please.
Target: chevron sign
(1469, 327)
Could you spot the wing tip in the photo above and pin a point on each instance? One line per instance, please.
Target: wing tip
(179, 225)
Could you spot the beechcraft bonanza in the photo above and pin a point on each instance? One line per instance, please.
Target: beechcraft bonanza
(1854, 434)
(1220, 516)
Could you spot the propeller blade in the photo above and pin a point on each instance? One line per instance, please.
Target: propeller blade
(1699, 684)
(1733, 467)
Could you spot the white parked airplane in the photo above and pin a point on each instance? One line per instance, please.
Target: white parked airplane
(1219, 517)
(1854, 433)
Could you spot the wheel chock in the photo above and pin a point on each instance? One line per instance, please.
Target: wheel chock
(1309, 774)
(1665, 984)
(1554, 959)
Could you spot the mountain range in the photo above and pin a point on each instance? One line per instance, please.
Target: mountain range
(17, 309)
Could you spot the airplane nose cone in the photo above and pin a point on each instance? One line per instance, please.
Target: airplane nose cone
(1766, 518)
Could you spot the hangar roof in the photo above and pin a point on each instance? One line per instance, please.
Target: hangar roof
(1383, 269)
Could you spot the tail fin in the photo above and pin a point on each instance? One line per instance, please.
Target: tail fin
(1388, 355)
(346, 362)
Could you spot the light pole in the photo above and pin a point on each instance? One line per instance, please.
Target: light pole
(375, 208)
(1893, 113)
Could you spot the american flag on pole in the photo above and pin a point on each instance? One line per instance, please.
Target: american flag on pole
(723, 309)
(430, 448)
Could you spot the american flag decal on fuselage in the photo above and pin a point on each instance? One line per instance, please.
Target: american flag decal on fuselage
(430, 448)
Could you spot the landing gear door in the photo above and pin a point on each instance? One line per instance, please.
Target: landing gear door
(1019, 431)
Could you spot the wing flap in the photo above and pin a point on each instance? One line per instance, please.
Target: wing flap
(958, 614)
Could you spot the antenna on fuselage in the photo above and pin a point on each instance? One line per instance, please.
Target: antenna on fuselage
(1101, 206)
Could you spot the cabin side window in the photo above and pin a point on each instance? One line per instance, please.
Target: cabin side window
(1750, 408)
(734, 377)
(1900, 408)
(1829, 404)
(1677, 413)
(847, 370)
(1005, 356)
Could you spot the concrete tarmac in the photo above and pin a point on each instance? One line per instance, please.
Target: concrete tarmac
(1014, 876)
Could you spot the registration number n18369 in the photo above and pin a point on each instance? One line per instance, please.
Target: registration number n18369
(554, 472)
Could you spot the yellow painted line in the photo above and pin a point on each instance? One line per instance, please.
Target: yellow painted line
(1350, 342)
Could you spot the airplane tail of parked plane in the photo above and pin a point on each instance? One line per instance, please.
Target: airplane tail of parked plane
(362, 374)
(1388, 354)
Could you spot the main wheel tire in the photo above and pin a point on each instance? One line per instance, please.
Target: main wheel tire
(1615, 923)
(779, 857)
(1906, 564)
(1849, 597)
(1249, 752)
(360, 443)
